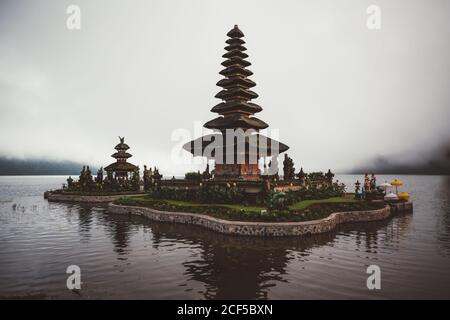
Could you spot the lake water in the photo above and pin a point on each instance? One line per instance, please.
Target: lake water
(125, 257)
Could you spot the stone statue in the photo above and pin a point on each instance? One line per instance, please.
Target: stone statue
(301, 176)
(88, 178)
(136, 180)
(288, 168)
(357, 186)
(156, 175)
(156, 178)
(147, 178)
(99, 178)
(329, 177)
(373, 182)
(70, 183)
(82, 178)
(206, 175)
(366, 183)
(107, 182)
(266, 184)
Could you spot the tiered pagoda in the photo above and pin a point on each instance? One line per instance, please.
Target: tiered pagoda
(236, 112)
(121, 168)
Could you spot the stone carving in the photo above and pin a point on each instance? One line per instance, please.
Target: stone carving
(147, 178)
(373, 183)
(366, 183)
(301, 176)
(206, 175)
(288, 168)
(99, 178)
(329, 176)
(70, 183)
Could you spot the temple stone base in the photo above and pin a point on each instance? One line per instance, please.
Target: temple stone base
(401, 207)
(64, 197)
(272, 229)
(244, 171)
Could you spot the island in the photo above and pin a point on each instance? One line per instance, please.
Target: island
(245, 194)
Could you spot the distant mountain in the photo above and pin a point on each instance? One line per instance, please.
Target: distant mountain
(19, 167)
(436, 162)
(385, 166)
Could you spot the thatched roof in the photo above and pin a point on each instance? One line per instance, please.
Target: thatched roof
(122, 146)
(256, 143)
(121, 155)
(236, 121)
(121, 167)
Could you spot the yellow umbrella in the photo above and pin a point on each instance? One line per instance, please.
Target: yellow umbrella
(396, 183)
(404, 195)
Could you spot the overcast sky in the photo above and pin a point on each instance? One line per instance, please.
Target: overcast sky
(338, 93)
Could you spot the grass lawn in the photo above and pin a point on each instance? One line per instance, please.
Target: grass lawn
(300, 211)
(231, 206)
(195, 204)
(301, 205)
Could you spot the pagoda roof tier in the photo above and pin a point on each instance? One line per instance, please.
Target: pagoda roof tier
(235, 53)
(235, 47)
(236, 106)
(254, 144)
(122, 146)
(236, 82)
(121, 154)
(236, 71)
(236, 111)
(235, 32)
(121, 167)
(236, 61)
(234, 121)
(236, 94)
(235, 41)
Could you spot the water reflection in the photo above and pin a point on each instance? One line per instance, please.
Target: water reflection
(117, 227)
(234, 266)
(120, 229)
(84, 221)
(238, 267)
(247, 267)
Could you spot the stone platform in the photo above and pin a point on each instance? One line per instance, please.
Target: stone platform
(70, 197)
(401, 207)
(272, 229)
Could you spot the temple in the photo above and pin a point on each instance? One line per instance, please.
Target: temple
(121, 169)
(237, 144)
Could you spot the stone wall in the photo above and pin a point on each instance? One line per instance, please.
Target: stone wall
(255, 228)
(404, 207)
(287, 188)
(84, 198)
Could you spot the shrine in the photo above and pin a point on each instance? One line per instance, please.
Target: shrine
(244, 185)
(121, 169)
(236, 146)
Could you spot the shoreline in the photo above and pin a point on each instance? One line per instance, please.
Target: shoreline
(270, 229)
(236, 227)
(51, 196)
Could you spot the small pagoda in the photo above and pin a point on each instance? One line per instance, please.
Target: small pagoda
(236, 112)
(121, 168)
